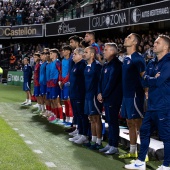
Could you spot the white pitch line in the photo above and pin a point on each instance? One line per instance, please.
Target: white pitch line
(28, 142)
(50, 164)
(15, 129)
(22, 135)
(38, 151)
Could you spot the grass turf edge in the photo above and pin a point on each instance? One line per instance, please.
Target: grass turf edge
(14, 153)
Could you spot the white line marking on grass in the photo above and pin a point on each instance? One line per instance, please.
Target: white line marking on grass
(50, 164)
(22, 135)
(38, 151)
(28, 142)
(15, 129)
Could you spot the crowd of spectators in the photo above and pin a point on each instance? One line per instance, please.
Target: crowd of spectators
(20, 12)
(27, 50)
(101, 6)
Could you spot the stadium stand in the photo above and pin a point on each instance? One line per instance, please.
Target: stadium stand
(20, 12)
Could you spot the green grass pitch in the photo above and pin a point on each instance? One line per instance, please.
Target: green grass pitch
(50, 139)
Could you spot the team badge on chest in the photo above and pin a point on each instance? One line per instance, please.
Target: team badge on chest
(105, 71)
(128, 62)
(74, 70)
(156, 68)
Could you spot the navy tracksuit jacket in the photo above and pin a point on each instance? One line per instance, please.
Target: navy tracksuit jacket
(77, 96)
(110, 87)
(158, 106)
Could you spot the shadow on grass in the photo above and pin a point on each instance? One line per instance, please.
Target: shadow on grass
(24, 107)
(50, 127)
(86, 157)
(28, 107)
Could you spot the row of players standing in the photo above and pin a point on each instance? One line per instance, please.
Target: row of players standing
(92, 86)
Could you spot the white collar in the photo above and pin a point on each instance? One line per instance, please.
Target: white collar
(128, 56)
(89, 65)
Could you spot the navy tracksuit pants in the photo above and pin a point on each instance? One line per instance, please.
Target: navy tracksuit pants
(161, 119)
(79, 117)
(111, 113)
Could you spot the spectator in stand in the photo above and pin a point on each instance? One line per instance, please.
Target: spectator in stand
(8, 18)
(12, 61)
(149, 54)
(19, 18)
(121, 56)
(19, 65)
(96, 7)
(19, 56)
(13, 19)
(31, 61)
(107, 5)
(78, 10)
(3, 19)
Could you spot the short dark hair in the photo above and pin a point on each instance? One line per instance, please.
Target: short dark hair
(92, 50)
(67, 47)
(91, 33)
(37, 54)
(138, 38)
(27, 58)
(42, 52)
(48, 53)
(75, 38)
(47, 49)
(55, 50)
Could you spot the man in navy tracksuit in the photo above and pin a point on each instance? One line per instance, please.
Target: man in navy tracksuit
(110, 94)
(77, 96)
(74, 42)
(133, 69)
(157, 79)
(27, 71)
(92, 106)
